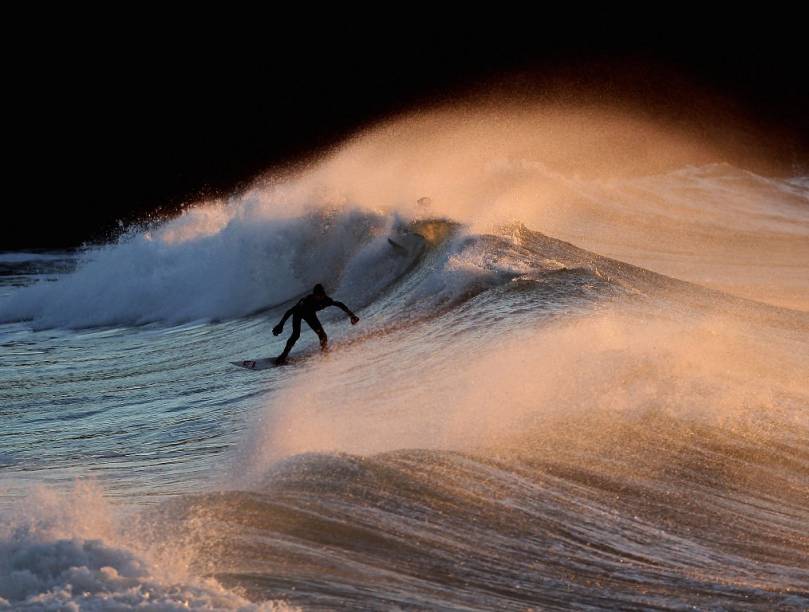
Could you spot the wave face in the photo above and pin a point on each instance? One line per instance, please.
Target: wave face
(591, 415)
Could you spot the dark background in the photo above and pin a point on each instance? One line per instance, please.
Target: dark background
(110, 126)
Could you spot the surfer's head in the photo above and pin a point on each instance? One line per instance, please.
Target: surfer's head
(319, 291)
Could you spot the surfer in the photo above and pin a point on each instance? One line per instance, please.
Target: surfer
(305, 309)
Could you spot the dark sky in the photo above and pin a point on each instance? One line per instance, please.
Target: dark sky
(109, 126)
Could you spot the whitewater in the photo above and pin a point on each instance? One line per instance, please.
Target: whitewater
(579, 381)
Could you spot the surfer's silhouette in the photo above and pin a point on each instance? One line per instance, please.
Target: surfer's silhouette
(306, 309)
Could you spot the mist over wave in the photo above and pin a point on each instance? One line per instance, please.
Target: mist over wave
(605, 181)
(227, 260)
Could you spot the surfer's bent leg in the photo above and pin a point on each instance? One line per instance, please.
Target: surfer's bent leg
(314, 323)
(293, 338)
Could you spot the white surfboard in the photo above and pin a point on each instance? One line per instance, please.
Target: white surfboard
(259, 364)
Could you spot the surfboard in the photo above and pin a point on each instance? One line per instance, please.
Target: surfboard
(259, 364)
(297, 358)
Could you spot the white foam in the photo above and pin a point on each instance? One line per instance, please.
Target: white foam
(64, 552)
(90, 575)
(214, 262)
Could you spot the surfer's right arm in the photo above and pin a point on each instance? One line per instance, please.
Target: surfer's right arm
(354, 318)
(280, 327)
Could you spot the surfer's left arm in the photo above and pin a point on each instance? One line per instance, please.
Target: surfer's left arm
(345, 309)
(280, 327)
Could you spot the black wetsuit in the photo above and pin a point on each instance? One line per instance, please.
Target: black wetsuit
(306, 309)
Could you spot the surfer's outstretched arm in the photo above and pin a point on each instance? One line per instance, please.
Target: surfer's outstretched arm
(345, 309)
(280, 327)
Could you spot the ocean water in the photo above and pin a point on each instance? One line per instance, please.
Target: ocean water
(565, 391)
